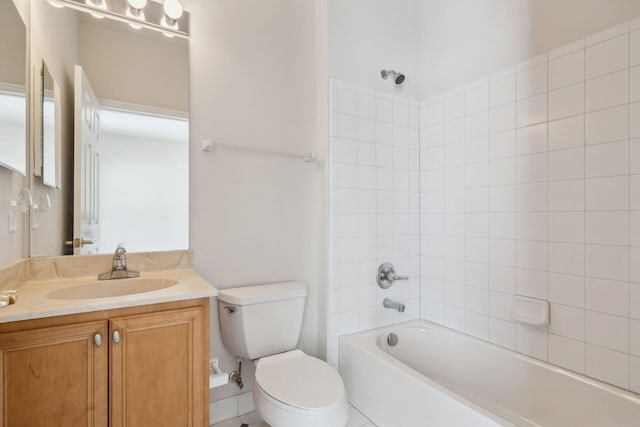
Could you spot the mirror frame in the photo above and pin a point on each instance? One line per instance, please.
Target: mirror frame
(38, 127)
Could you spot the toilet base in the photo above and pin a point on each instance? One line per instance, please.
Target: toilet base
(277, 414)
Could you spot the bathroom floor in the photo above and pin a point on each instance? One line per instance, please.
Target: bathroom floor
(356, 419)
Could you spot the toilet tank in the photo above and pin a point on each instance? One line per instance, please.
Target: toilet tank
(258, 321)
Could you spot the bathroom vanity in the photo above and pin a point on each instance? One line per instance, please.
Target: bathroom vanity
(137, 358)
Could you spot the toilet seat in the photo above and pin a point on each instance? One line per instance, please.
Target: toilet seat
(299, 380)
(294, 389)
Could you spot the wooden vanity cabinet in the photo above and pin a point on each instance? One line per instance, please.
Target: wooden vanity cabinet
(133, 367)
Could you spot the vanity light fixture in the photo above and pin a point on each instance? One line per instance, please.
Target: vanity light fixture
(41, 206)
(167, 17)
(135, 11)
(24, 201)
(22, 204)
(172, 12)
(98, 4)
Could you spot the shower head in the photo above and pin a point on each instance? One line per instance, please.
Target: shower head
(397, 77)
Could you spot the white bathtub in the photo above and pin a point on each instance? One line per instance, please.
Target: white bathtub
(435, 376)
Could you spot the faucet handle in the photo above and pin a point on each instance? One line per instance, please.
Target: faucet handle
(387, 275)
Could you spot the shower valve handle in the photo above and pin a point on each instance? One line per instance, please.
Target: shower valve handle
(387, 275)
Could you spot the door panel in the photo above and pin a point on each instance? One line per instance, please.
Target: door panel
(157, 369)
(54, 377)
(86, 219)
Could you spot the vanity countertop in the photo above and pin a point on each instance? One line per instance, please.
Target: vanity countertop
(36, 279)
(34, 302)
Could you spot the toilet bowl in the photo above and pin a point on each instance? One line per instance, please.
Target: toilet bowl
(293, 389)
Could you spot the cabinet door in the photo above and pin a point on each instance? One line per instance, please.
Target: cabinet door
(55, 376)
(157, 369)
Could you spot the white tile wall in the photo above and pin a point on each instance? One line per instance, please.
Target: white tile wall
(230, 407)
(375, 181)
(525, 182)
(530, 184)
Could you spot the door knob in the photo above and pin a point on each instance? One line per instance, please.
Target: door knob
(97, 339)
(78, 243)
(116, 337)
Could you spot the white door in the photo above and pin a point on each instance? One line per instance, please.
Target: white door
(86, 220)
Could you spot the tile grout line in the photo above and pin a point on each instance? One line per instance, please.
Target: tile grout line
(466, 231)
(629, 213)
(584, 244)
(518, 327)
(489, 211)
(547, 210)
(422, 196)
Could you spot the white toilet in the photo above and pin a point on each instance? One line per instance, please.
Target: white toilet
(292, 389)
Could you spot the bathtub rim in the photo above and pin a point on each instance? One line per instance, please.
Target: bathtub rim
(366, 341)
(369, 339)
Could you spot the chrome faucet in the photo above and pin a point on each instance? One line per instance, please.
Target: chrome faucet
(119, 268)
(389, 303)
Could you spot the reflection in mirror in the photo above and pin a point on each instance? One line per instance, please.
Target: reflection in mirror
(127, 153)
(130, 139)
(13, 107)
(50, 127)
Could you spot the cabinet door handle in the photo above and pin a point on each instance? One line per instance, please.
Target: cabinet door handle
(116, 337)
(97, 339)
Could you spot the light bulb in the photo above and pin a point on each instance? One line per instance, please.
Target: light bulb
(136, 10)
(97, 4)
(137, 4)
(172, 12)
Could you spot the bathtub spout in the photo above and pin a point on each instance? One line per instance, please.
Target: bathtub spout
(388, 303)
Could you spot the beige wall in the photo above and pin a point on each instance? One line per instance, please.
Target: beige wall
(12, 53)
(54, 40)
(133, 66)
(465, 40)
(442, 44)
(257, 75)
(12, 246)
(561, 22)
(366, 36)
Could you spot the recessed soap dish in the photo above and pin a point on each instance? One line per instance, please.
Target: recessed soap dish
(530, 310)
(8, 298)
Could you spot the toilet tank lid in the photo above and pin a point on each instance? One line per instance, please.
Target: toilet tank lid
(247, 295)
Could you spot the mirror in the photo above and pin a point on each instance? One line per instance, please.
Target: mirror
(13, 105)
(120, 171)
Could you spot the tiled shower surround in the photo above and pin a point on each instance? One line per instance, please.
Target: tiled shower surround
(529, 184)
(375, 180)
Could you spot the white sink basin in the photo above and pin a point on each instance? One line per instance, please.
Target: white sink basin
(111, 288)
